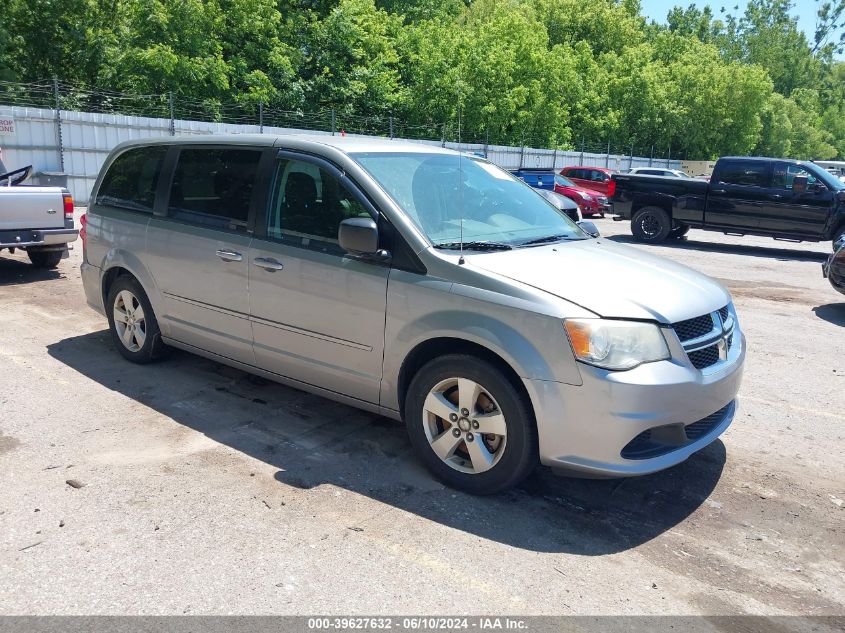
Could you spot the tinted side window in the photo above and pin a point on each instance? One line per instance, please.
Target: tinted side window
(131, 181)
(575, 173)
(747, 172)
(308, 205)
(783, 174)
(214, 186)
(599, 176)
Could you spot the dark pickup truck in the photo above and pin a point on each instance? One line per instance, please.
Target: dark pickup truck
(784, 199)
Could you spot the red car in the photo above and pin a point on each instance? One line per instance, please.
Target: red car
(595, 178)
(590, 202)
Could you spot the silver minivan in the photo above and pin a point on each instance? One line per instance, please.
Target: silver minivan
(419, 283)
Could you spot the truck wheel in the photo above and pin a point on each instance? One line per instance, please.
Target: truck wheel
(651, 225)
(45, 259)
(679, 231)
(469, 424)
(132, 323)
(837, 235)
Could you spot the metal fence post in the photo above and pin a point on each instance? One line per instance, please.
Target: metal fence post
(554, 159)
(651, 157)
(59, 142)
(581, 162)
(486, 140)
(443, 137)
(172, 119)
(261, 117)
(522, 151)
(390, 123)
(607, 156)
(334, 122)
(669, 159)
(631, 159)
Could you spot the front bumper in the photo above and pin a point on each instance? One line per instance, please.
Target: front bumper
(585, 429)
(595, 208)
(25, 238)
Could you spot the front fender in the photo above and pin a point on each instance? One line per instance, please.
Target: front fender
(534, 345)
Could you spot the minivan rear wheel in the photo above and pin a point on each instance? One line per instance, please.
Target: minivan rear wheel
(132, 322)
(651, 224)
(469, 424)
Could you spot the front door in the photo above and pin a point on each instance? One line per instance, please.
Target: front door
(738, 194)
(198, 253)
(798, 213)
(317, 313)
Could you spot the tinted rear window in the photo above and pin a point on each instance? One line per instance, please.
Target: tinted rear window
(214, 186)
(131, 181)
(747, 172)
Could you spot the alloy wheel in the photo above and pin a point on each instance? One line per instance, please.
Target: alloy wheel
(464, 425)
(129, 321)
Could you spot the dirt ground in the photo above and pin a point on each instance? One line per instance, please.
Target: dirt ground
(189, 487)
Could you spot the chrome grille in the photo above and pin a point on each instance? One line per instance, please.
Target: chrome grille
(693, 328)
(707, 338)
(703, 358)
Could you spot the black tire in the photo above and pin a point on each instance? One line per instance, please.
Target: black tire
(45, 259)
(679, 231)
(651, 225)
(837, 234)
(520, 451)
(152, 348)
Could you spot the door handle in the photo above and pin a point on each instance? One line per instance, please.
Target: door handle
(268, 263)
(717, 191)
(230, 256)
(775, 196)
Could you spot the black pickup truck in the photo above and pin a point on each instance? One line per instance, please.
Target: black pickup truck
(784, 199)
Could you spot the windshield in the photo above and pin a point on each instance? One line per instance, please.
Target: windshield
(829, 179)
(454, 198)
(563, 181)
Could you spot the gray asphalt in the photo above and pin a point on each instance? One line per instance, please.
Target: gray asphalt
(198, 489)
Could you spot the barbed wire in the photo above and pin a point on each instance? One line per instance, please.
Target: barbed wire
(56, 94)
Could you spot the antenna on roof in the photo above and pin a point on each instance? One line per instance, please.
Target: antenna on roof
(460, 176)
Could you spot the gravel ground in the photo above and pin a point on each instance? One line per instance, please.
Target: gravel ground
(189, 487)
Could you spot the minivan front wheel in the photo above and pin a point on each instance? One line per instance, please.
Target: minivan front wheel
(469, 424)
(132, 323)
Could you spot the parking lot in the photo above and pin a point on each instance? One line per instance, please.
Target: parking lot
(190, 487)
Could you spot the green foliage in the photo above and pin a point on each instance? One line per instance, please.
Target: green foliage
(541, 72)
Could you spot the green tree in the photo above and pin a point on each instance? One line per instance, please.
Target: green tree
(352, 63)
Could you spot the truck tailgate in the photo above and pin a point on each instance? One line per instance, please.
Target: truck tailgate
(24, 207)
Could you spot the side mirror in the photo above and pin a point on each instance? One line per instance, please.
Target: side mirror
(358, 236)
(841, 196)
(799, 184)
(589, 228)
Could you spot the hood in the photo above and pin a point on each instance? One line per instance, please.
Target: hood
(591, 192)
(610, 279)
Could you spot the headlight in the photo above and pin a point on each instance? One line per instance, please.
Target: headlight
(616, 345)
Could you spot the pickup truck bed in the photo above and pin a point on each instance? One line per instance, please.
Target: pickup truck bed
(745, 196)
(38, 220)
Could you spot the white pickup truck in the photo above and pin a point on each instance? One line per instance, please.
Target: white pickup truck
(36, 219)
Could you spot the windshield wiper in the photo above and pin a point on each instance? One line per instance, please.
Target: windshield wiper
(475, 246)
(549, 238)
